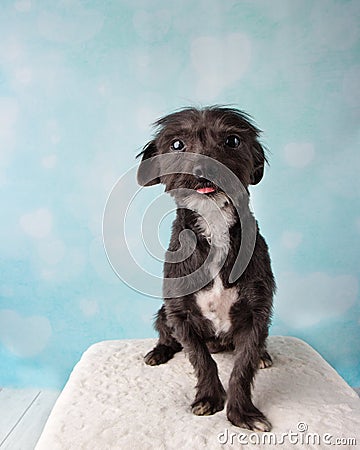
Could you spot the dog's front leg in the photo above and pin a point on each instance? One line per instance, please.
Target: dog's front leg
(249, 340)
(210, 395)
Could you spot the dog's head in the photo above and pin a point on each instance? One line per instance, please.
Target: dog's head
(197, 140)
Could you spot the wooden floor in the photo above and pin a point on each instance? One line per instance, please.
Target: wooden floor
(23, 413)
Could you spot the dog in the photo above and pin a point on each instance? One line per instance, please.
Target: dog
(210, 312)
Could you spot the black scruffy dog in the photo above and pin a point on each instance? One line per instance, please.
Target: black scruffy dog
(210, 312)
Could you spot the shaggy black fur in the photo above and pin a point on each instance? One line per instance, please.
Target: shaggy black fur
(180, 321)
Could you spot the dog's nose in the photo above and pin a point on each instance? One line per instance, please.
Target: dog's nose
(198, 172)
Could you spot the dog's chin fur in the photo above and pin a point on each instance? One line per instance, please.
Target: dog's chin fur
(221, 315)
(203, 204)
(215, 215)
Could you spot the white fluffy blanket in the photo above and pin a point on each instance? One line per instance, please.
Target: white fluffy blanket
(114, 401)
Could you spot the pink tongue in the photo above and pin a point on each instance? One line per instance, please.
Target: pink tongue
(205, 190)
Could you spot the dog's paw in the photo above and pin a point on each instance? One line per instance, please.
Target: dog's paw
(255, 421)
(208, 406)
(265, 361)
(159, 355)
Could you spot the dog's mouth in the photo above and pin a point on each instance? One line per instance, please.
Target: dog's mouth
(206, 188)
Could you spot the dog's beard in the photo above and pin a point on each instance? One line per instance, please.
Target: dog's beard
(176, 182)
(200, 202)
(202, 195)
(181, 187)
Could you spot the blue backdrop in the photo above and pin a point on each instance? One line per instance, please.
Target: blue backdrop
(80, 82)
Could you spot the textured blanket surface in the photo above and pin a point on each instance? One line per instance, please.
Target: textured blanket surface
(114, 401)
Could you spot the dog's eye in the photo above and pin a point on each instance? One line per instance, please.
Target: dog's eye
(177, 145)
(232, 141)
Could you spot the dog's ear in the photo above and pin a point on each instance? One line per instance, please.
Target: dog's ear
(259, 163)
(148, 171)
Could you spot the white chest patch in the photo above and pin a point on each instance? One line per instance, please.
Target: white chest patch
(215, 305)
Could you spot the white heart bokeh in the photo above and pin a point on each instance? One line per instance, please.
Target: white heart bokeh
(219, 62)
(24, 336)
(306, 300)
(38, 223)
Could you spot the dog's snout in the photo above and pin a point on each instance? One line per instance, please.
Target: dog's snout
(198, 172)
(204, 173)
